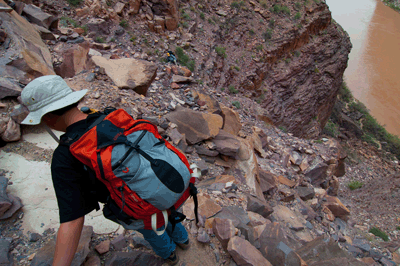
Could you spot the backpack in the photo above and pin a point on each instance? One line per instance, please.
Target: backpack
(148, 178)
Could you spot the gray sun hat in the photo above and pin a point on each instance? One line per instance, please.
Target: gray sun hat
(46, 94)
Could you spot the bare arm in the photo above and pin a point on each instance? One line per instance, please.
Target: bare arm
(68, 237)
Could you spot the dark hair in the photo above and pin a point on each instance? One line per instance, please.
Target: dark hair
(62, 111)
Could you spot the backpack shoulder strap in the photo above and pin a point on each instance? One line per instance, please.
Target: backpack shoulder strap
(69, 138)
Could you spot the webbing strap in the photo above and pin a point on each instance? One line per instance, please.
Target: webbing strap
(133, 146)
(193, 193)
(51, 133)
(175, 217)
(95, 123)
(196, 170)
(154, 222)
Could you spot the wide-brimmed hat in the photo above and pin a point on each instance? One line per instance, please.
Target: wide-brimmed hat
(46, 94)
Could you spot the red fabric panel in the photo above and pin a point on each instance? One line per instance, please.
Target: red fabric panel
(85, 147)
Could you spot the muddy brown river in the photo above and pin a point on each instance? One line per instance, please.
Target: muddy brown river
(373, 72)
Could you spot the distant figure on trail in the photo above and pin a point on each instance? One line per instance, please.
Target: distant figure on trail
(80, 182)
(171, 58)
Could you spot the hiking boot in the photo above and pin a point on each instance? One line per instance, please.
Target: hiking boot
(184, 246)
(173, 259)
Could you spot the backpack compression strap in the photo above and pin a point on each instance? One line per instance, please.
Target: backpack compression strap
(154, 222)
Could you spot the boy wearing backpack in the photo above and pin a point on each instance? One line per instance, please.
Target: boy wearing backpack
(50, 100)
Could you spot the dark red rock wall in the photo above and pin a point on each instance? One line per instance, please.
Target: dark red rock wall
(295, 75)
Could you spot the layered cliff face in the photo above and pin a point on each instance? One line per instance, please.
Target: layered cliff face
(288, 56)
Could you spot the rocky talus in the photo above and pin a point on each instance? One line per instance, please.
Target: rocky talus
(266, 196)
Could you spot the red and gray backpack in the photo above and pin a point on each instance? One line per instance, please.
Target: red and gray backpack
(148, 178)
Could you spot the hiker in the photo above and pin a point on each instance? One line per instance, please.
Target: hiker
(171, 58)
(51, 101)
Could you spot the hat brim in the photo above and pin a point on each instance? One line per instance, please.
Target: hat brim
(35, 117)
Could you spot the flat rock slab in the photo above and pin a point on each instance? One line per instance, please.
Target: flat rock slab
(305, 193)
(336, 206)
(134, 257)
(294, 220)
(9, 88)
(232, 123)
(317, 174)
(37, 16)
(285, 181)
(257, 219)
(268, 181)
(213, 105)
(196, 126)
(5, 201)
(129, 73)
(43, 140)
(223, 230)
(181, 79)
(33, 185)
(207, 207)
(5, 258)
(15, 206)
(245, 253)
(234, 213)
(35, 58)
(227, 144)
(258, 206)
(325, 251)
(284, 214)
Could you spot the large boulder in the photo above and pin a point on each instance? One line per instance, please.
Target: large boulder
(336, 207)
(277, 247)
(5, 255)
(294, 221)
(236, 214)
(268, 182)
(258, 206)
(207, 207)
(34, 58)
(317, 174)
(38, 17)
(232, 123)
(129, 73)
(325, 251)
(98, 26)
(75, 60)
(12, 132)
(19, 112)
(168, 9)
(244, 253)
(45, 34)
(227, 144)
(5, 202)
(134, 6)
(350, 125)
(246, 167)
(196, 126)
(9, 88)
(213, 105)
(16, 205)
(223, 230)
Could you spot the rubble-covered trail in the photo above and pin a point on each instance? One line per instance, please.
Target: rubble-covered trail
(266, 197)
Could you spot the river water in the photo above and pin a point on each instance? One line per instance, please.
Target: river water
(373, 72)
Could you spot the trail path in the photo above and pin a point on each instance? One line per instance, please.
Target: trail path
(27, 165)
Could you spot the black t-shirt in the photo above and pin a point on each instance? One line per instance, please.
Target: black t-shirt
(71, 181)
